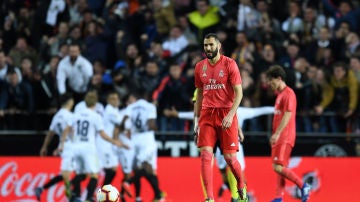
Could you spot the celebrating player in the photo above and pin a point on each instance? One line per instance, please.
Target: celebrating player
(283, 135)
(218, 82)
(142, 115)
(59, 122)
(85, 125)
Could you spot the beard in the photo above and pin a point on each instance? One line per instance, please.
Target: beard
(211, 54)
(73, 58)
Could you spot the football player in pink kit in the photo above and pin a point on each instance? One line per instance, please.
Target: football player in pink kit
(218, 82)
(284, 133)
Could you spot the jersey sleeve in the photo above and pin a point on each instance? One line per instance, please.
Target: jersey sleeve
(289, 102)
(99, 123)
(53, 124)
(234, 73)
(152, 112)
(198, 83)
(115, 118)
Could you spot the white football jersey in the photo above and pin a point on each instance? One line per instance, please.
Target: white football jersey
(85, 126)
(112, 117)
(60, 121)
(99, 108)
(139, 113)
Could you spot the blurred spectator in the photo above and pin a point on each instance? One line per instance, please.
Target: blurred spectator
(294, 23)
(95, 42)
(267, 58)
(344, 12)
(339, 40)
(320, 50)
(176, 42)
(263, 96)
(55, 8)
(226, 37)
(355, 66)
(21, 50)
(185, 26)
(353, 45)
(339, 96)
(149, 79)
(269, 27)
(74, 73)
(133, 59)
(164, 16)
(248, 18)
(5, 67)
(313, 23)
(24, 23)
(51, 45)
(312, 93)
(160, 56)
(121, 80)
(76, 9)
(75, 36)
(49, 83)
(173, 85)
(244, 49)
(292, 53)
(17, 97)
(248, 85)
(204, 19)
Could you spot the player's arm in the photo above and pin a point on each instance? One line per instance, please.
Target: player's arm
(227, 121)
(152, 124)
(116, 132)
(197, 107)
(63, 137)
(241, 134)
(111, 140)
(49, 136)
(284, 122)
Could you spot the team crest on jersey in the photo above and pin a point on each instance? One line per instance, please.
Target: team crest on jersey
(221, 73)
(204, 68)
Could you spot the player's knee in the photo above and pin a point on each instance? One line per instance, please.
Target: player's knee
(277, 168)
(206, 155)
(147, 167)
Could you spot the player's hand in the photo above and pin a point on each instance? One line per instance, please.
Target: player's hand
(241, 135)
(227, 121)
(196, 138)
(274, 138)
(196, 125)
(43, 151)
(120, 144)
(57, 152)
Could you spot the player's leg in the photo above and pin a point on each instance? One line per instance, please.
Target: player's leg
(92, 167)
(206, 141)
(280, 155)
(76, 184)
(231, 178)
(126, 160)
(223, 170)
(38, 190)
(229, 145)
(147, 159)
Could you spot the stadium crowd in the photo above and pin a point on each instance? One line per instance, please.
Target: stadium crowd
(48, 48)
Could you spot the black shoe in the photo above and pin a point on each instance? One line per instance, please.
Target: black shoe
(38, 191)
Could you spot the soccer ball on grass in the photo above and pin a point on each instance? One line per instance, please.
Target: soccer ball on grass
(108, 193)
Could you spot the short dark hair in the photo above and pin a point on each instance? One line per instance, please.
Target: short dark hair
(276, 71)
(212, 35)
(91, 98)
